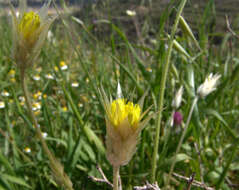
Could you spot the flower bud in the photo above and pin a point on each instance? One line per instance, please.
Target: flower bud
(178, 98)
(177, 118)
(123, 127)
(209, 85)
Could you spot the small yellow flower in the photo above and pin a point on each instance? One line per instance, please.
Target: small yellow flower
(149, 69)
(12, 73)
(5, 93)
(38, 69)
(44, 134)
(64, 109)
(121, 111)
(84, 98)
(44, 96)
(131, 13)
(75, 84)
(29, 32)
(49, 76)
(63, 65)
(27, 150)
(123, 127)
(80, 104)
(2, 105)
(37, 96)
(29, 28)
(13, 80)
(56, 68)
(36, 106)
(36, 113)
(36, 77)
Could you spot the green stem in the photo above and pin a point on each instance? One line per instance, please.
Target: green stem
(55, 166)
(162, 90)
(181, 140)
(116, 177)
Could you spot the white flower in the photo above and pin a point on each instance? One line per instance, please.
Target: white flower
(63, 66)
(49, 76)
(5, 93)
(22, 98)
(2, 105)
(36, 77)
(130, 13)
(75, 84)
(80, 105)
(27, 150)
(49, 35)
(178, 98)
(209, 85)
(36, 106)
(44, 134)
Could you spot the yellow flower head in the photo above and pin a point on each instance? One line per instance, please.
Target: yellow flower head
(29, 27)
(121, 111)
(29, 32)
(123, 127)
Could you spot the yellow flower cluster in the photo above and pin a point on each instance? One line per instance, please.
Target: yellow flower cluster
(29, 27)
(120, 111)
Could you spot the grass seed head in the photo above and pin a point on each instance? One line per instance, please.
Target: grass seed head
(209, 85)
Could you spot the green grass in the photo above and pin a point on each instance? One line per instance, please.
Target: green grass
(101, 54)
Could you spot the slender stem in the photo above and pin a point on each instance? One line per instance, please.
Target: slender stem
(162, 90)
(181, 140)
(33, 118)
(55, 165)
(116, 177)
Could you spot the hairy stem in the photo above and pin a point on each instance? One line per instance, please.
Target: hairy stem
(54, 164)
(116, 177)
(162, 90)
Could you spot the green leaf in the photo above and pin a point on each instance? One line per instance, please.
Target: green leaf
(216, 114)
(15, 180)
(5, 163)
(94, 139)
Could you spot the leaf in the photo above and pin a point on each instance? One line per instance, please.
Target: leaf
(14, 179)
(93, 138)
(234, 166)
(5, 162)
(225, 125)
(216, 114)
(60, 141)
(179, 158)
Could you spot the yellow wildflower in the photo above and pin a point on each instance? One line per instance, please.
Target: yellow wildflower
(36, 77)
(123, 127)
(63, 65)
(29, 28)
(64, 109)
(37, 96)
(13, 80)
(120, 111)
(12, 73)
(29, 32)
(2, 105)
(56, 68)
(27, 149)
